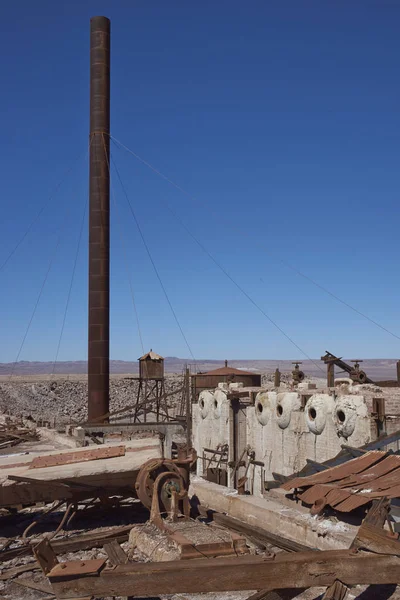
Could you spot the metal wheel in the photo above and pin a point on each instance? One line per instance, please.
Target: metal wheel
(148, 473)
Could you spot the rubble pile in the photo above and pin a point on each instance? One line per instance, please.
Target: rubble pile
(62, 401)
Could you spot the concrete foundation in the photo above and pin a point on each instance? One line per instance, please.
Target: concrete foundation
(280, 431)
(275, 516)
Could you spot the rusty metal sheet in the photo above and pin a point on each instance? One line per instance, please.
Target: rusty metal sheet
(75, 568)
(353, 484)
(336, 496)
(313, 493)
(352, 502)
(384, 467)
(54, 460)
(357, 465)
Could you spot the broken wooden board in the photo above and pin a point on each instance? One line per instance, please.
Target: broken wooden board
(298, 570)
(33, 585)
(69, 458)
(84, 541)
(115, 553)
(46, 484)
(10, 573)
(254, 532)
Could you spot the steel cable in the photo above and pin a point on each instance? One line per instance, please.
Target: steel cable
(243, 232)
(50, 265)
(70, 286)
(123, 244)
(153, 263)
(38, 215)
(240, 288)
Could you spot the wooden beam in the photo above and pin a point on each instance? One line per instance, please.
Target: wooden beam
(276, 594)
(10, 573)
(257, 533)
(376, 540)
(115, 553)
(297, 570)
(337, 591)
(33, 585)
(84, 541)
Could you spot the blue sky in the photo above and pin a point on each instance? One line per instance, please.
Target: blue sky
(279, 118)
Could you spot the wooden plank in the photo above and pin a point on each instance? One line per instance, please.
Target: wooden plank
(33, 585)
(257, 533)
(376, 540)
(10, 573)
(337, 591)
(297, 570)
(84, 541)
(276, 594)
(115, 553)
(69, 458)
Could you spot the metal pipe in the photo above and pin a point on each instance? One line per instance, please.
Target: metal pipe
(99, 220)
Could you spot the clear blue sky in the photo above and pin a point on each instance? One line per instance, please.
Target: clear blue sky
(281, 119)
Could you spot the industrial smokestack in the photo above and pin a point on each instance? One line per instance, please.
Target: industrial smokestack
(99, 220)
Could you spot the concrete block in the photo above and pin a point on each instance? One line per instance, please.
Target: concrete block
(306, 386)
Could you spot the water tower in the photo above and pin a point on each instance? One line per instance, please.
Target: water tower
(151, 390)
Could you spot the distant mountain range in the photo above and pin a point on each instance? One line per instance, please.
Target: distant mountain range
(377, 368)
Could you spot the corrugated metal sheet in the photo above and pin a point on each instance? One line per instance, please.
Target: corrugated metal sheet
(353, 484)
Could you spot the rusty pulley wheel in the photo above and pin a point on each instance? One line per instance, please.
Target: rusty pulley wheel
(148, 473)
(167, 484)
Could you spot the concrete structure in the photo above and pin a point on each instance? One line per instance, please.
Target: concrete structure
(167, 430)
(279, 431)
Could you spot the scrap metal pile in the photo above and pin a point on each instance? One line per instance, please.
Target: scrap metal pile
(351, 485)
(223, 565)
(374, 558)
(12, 434)
(211, 552)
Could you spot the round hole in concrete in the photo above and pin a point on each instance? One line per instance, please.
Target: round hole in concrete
(259, 407)
(341, 416)
(215, 404)
(312, 413)
(279, 410)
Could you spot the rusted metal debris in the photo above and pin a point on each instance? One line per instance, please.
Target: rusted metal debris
(297, 374)
(70, 458)
(12, 434)
(351, 485)
(355, 373)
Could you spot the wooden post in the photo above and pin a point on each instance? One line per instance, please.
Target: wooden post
(330, 374)
(188, 410)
